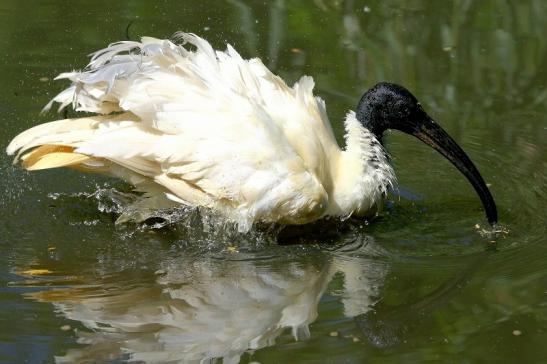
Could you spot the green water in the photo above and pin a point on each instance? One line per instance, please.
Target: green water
(418, 283)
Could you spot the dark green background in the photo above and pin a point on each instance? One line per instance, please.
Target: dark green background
(478, 67)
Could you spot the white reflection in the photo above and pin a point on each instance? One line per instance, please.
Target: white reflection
(199, 310)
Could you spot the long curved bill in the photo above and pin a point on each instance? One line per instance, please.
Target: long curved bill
(431, 133)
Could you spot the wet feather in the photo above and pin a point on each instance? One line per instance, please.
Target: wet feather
(213, 129)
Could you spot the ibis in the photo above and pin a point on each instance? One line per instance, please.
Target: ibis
(191, 125)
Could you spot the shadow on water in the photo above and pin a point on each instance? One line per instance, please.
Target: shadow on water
(222, 300)
(218, 306)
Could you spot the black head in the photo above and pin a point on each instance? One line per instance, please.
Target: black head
(390, 106)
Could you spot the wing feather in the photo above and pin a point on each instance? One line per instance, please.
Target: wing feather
(212, 128)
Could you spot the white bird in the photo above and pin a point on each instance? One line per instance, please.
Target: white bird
(209, 128)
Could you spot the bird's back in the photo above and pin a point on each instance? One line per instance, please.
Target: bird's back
(207, 128)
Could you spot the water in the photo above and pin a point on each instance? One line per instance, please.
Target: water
(420, 282)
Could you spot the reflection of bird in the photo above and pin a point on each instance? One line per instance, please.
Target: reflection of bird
(197, 311)
(208, 128)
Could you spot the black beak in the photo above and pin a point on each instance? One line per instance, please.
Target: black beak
(431, 133)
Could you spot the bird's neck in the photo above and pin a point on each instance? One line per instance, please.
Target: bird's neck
(362, 174)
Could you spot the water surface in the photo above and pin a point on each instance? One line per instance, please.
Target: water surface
(419, 282)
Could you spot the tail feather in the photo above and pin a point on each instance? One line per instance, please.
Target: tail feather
(58, 133)
(52, 156)
(60, 136)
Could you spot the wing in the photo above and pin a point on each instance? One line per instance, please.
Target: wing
(213, 128)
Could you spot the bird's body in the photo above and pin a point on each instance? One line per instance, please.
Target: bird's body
(209, 128)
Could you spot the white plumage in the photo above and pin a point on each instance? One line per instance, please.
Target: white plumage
(208, 128)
